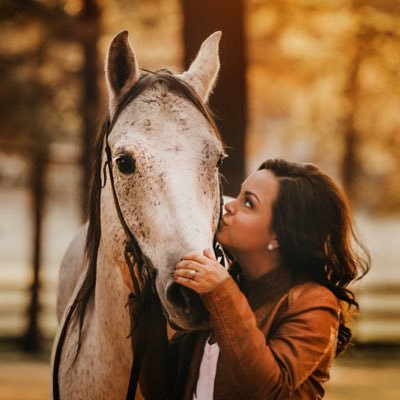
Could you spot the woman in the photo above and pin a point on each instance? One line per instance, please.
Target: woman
(279, 317)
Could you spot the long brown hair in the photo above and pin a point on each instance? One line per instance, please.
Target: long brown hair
(317, 237)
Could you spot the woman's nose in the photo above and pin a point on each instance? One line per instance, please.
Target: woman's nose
(229, 207)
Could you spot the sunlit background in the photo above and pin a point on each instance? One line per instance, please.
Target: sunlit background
(306, 80)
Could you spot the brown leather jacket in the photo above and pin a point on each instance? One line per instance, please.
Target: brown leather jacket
(277, 340)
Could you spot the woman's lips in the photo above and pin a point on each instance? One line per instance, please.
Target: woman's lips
(223, 222)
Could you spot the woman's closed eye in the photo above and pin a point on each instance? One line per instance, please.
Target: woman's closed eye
(248, 203)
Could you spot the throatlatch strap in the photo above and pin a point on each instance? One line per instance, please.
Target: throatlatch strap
(57, 357)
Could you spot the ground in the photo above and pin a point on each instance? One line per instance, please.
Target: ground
(367, 373)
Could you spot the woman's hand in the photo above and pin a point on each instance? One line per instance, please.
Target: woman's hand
(200, 272)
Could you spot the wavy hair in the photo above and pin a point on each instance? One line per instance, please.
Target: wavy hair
(317, 236)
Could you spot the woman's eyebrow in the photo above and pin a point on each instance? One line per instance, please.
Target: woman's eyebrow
(248, 193)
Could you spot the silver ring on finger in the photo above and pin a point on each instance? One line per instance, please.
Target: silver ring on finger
(192, 274)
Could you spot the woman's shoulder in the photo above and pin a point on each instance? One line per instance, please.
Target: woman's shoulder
(309, 295)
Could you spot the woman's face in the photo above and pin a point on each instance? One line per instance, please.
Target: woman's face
(246, 225)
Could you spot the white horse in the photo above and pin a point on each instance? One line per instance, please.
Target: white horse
(165, 153)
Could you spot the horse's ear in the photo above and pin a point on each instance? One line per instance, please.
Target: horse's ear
(122, 69)
(203, 71)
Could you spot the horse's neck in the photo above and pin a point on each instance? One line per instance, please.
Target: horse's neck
(103, 365)
(110, 314)
(111, 297)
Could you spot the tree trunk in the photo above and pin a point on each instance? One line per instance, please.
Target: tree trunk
(201, 18)
(350, 168)
(31, 340)
(350, 164)
(90, 19)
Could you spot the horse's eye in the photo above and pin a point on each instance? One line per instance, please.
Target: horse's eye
(126, 164)
(221, 160)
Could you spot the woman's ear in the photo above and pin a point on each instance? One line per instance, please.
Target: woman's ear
(273, 245)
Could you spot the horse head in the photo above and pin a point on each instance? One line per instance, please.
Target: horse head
(165, 151)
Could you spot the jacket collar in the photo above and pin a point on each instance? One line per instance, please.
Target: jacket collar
(267, 288)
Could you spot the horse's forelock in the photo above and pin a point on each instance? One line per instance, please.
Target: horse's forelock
(147, 80)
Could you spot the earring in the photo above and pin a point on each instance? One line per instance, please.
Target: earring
(270, 247)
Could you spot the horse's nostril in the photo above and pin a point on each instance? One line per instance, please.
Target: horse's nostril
(179, 297)
(187, 302)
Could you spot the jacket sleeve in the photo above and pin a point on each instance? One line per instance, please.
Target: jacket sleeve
(273, 368)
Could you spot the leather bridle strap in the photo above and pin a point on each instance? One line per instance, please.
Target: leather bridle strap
(135, 248)
(219, 253)
(57, 357)
(139, 300)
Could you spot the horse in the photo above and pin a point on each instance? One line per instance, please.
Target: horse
(156, 177)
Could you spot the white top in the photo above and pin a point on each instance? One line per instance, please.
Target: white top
(208, 370)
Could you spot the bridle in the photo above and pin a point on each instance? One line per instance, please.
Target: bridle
(139, 301)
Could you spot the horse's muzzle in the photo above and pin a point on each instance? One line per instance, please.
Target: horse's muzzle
(188, 305)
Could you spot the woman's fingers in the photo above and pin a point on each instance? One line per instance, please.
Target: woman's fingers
(188, 273)
(188, 264)
(190, 283)
(193, 256)
(200, 272)
(209, 254)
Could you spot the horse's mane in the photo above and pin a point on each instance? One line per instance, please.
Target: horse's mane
(147, 80)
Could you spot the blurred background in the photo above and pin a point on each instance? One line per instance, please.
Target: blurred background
(306, 80)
